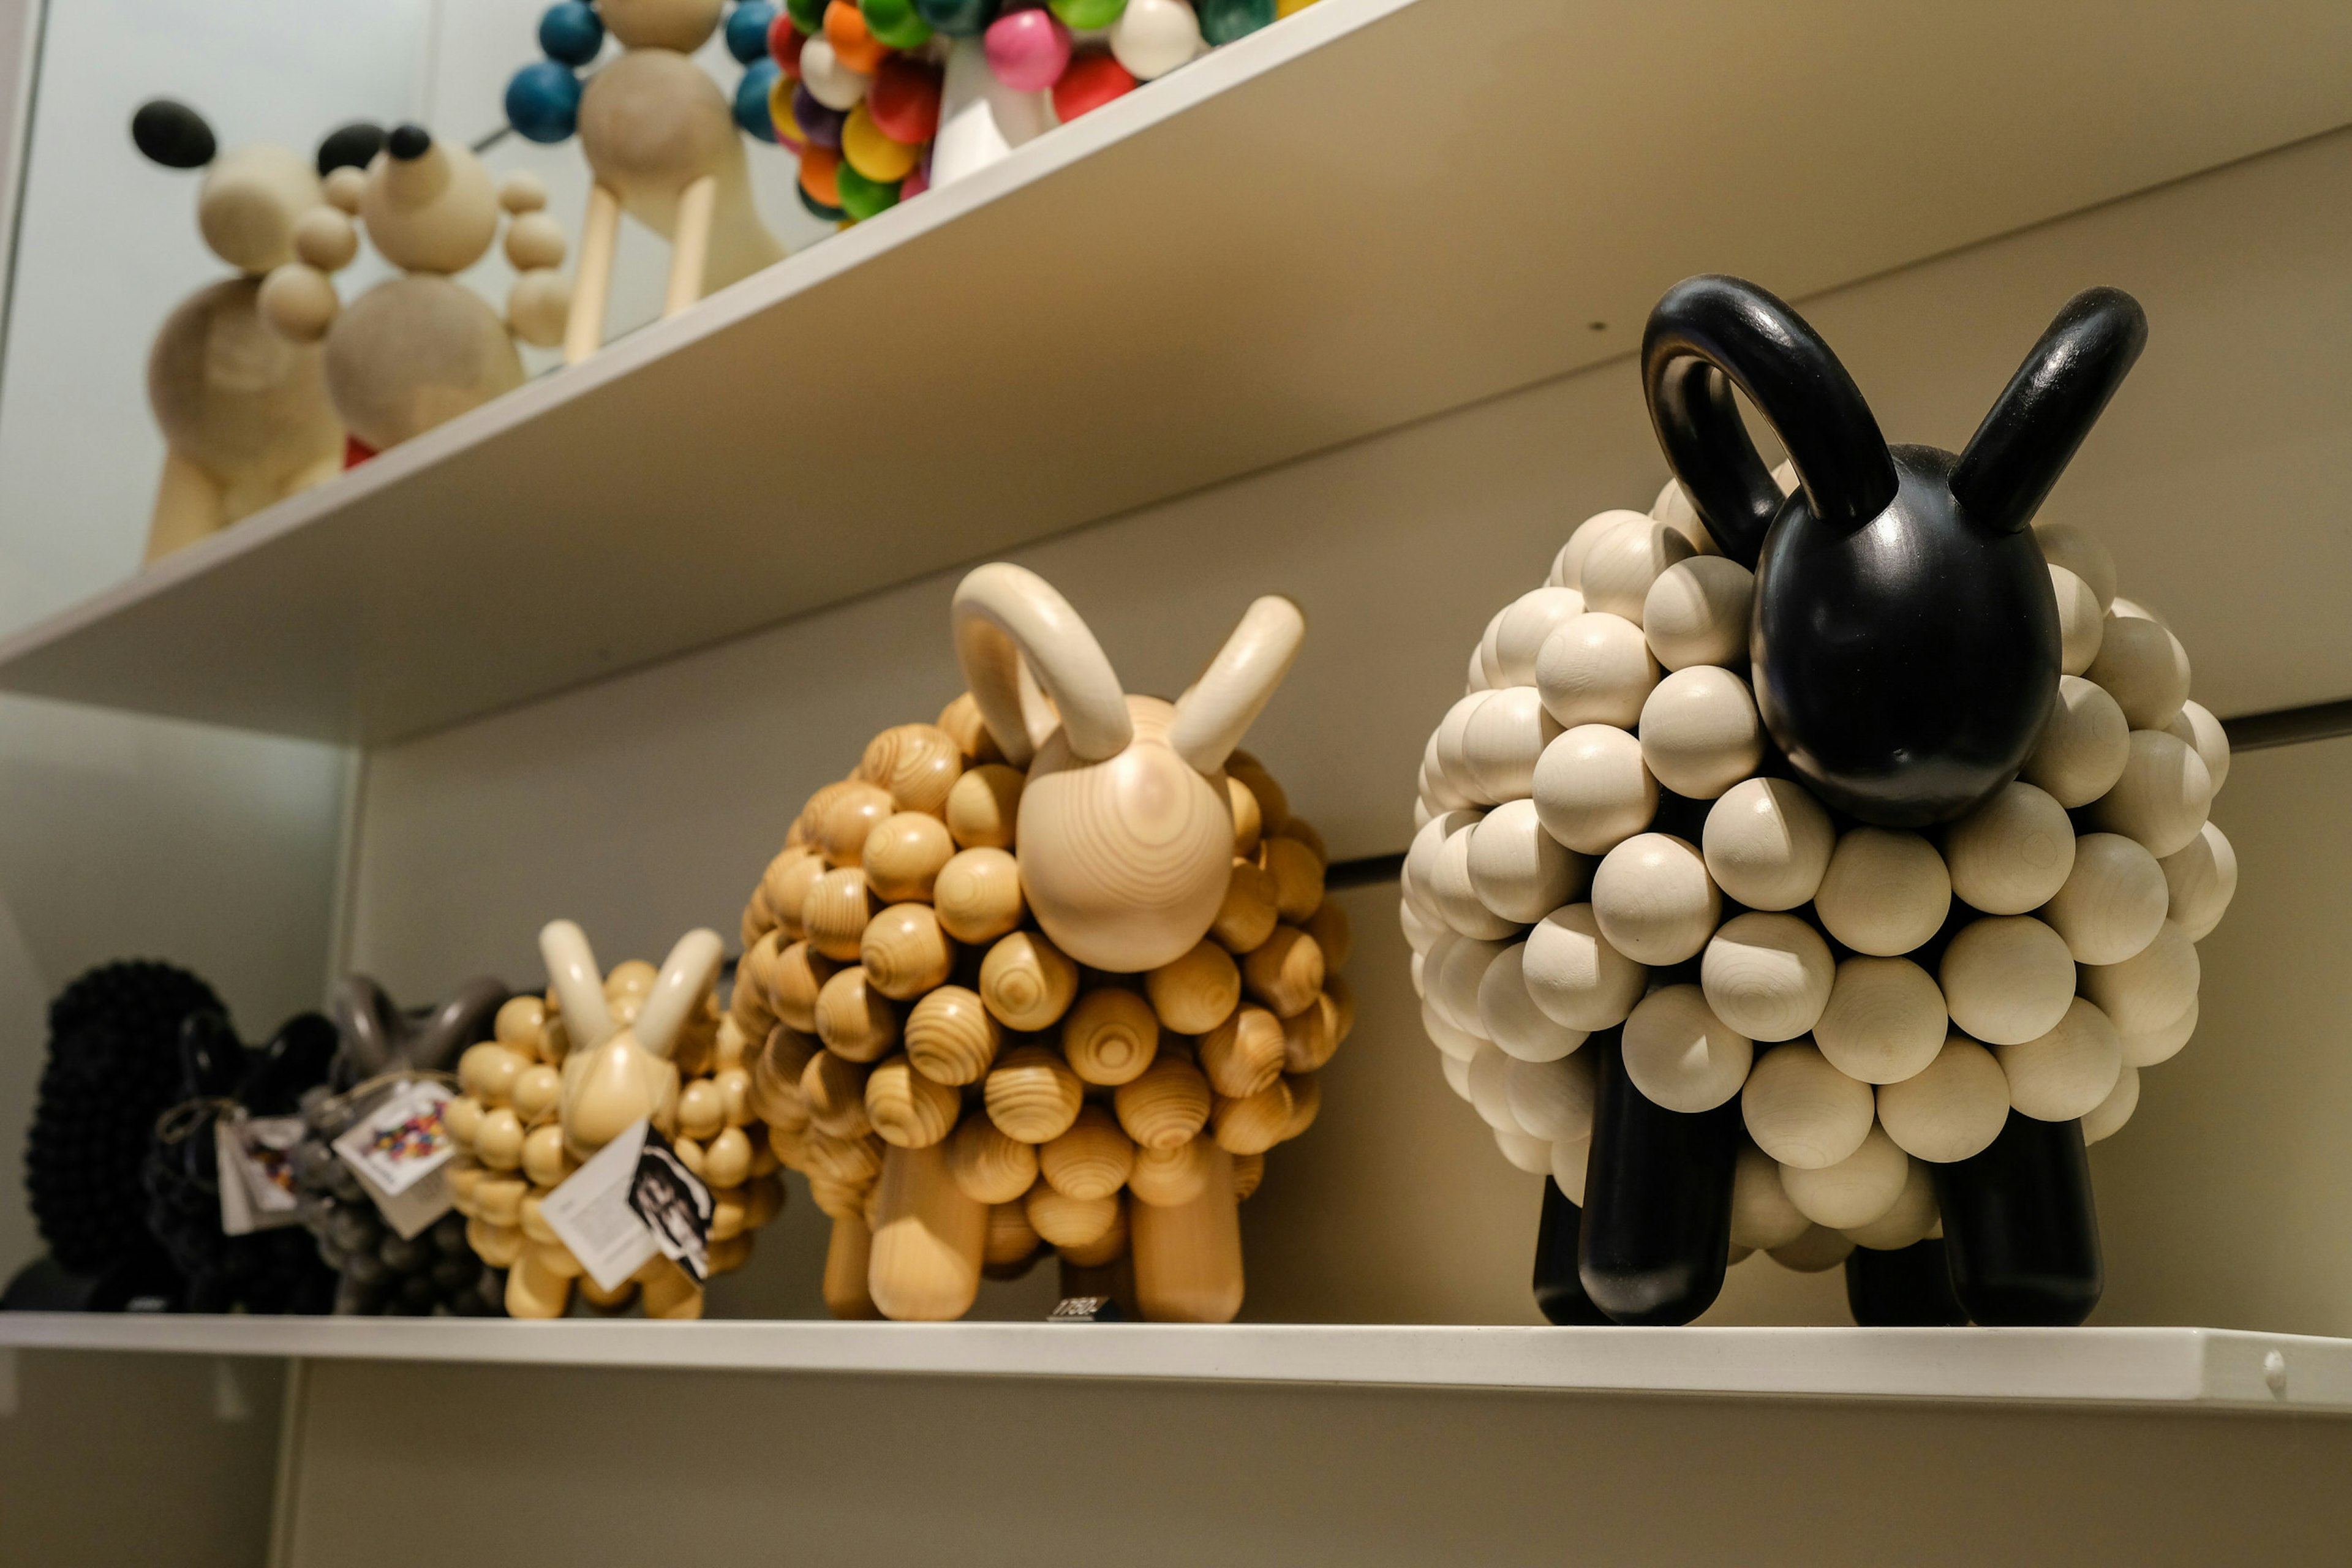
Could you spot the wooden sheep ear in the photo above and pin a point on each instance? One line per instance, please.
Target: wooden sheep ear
(579, 983)
(368, 1022)
(685, 975)
(2039, 419)
(458, 1023)
(1004, 615)
(1212, 718)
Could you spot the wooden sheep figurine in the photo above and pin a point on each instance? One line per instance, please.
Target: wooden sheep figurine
(245, 416)
(418, 349)
(1891, 1048)
(966, 1080)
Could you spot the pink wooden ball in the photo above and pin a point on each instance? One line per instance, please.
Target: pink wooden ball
(1028, 50)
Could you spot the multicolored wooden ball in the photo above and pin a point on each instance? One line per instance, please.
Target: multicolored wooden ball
(785, 42)
(753, 97)
(821, 175)
(1222, 21)
(905, 101)
(1092, 81)
(958, 18)
(808, 16)
(865, 150)
(571, 32)
(1084, 13)
(853, 41)
(1028, 50)
(896, 23)
(819, 126)
(1152, 38)
(543, 101)
(861, 197)
(747, 29)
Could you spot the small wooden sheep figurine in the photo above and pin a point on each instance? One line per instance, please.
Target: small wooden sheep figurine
(418, 349)
(245, 416)
(1026, 980)
(1749, 951)
(573, 1069)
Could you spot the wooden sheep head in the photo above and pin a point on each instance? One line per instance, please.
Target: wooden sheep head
(615, 1076)
(1906, 641)
(252, 197)
(1125, 829)
(684, 26)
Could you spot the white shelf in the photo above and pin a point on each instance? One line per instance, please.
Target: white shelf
(2198, 1367)
(1374, 211)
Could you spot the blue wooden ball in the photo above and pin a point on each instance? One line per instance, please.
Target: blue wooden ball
(747, 30)
(958, 18)
(751, 111)
(543, 101)
(1222, 21)
(572, 32)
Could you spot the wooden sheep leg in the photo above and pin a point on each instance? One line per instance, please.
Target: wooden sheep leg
(689, 255)
(585, 335)
(845, 1262)
(928, 1239)
(188, 507)
(1188, 1259)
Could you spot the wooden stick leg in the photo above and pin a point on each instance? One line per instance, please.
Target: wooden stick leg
(188, 507)
(1188, 1259)
(690, 256)
(928, 1239)
(845, 1259)
(584, 332)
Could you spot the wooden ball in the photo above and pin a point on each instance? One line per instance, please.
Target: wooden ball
(1575, 977)
(1516, 871)
(1071, 1222)
(1167, 1106)
(1448, 1036)
(1273, 804)
(1417, 879)
(775, 1091)
(1681, 1054)
(1011, 1239)
(1451, 748)
(1490, 1090)
(1249, 823)
(1623, 563)
(1310, 1035)
(951, 1037)
(1091, 1159)
(700, 1111)
(1700, 731)
(855, 1021)
(984, 805)
(1911, 1219)
(1420, 929)
(2067, 1073)
(1567, 564)
(1654, 898)
(834, 1090)
(1329, 926)
(1593, 790)
(1884, 892)
(1802, 1111)
(850, 818)
(1508, 1014)
(2150, 990)
(1953, 1107)
(1697, 613)
(499, 1139)
(1674, 508)
(1031, 1094)
(918, 763)
(1568, 1163)
(1297, 873)
(2113, 902)
(2083, 746)
(1286, 974)
(1766, 975)
(1248, 914)
(905, 954)
(1885, 1020)
(835, 912)
(2013, 853)
(1306, 1103)
(960, 719)
(487, 1071)
(538, 1089)
(1171, 1177)
(2163, 797)
(1523, 628)
(853, 1162)
(794, 982)
(1761, 1215)
(1768, 843)
(1504, 736)
(841, 1200)
(904, 854)
(906, 1108)
(545, 1162)
(1532, 1155)
(521, 1020)
(2144, 668)
(1253, 1123)
(2072, 548)
(2199, 880)
(1198, 991)
(978, 896)
(727, 1162)
(1818, 1251)
(2082, 624)
(1111, 1035)
(1855, 1191)
(1027, 983)
(2115, 1109)
(987, 1165)
(2196, 728)
(1551, 1100)
(2006, 979)
(1595, 669)
(1244, 1054)
(785, 887)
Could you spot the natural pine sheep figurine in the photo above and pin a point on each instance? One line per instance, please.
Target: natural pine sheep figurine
(418, 349)
(1039, 975)
(245, 414)
(1866, 951)
(569, 1072)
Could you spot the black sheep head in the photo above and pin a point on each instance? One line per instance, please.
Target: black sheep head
(379, 1037)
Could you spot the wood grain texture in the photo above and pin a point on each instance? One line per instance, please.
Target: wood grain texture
(2012, 854)
(984, 808)
(2067, 1073)
(904, 855)
(783, 888)
(850, 818)
(2006, 978)
(835, 1092)
(1070, 1222)
(855, 1021)
(1092, 1158)
(978, 895)
(988, 1165)
(1593, 790)
(1248, 914)
(1104, 1249)
(1111, 1035)
(1884, 892)
(1766, 975)
(2113, 902)
(2083, 745)
(1273, 804)
(1244, 1054)
(928, 1239)
(1188, 1257)
(1700, 731)
(1027, 981)
(837, 910)
(1802, 1111)
(1311, 1035)
(795, 983)
(918, 763)
(1251, 1124)
(2151, 989)
(1886, 1019)
(1853, 1191)
(951, 1037)
(1192, 993)
(1286, 973)
(1173, 1175)
(2199, 882)
(1654, 899)
(1167, 1106)
(1953, 1107)
(2162, 796)
(1697, 612)
(903, 953)
(1032, 1095)
(908, 1110)
(1762, 1217)
(1011, 1239)
(1680, 1053)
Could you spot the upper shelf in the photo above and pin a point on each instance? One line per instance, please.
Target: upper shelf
(2178, 1367)
(1373, 211)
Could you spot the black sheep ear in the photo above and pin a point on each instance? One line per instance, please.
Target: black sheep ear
(2039, 419)
(353, 146)
(169, 132)
(464, 1019)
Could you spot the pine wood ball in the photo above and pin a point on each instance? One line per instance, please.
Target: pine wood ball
(1884, 1020)
(1029, 983)
(2199, 880)
(1521, 631)
(1593, 789)
(2144, 668)
(950, 1037)
(1884, 892)
(1420, 929)
(1312, 1033)
(907, 1108)
(2077, 549)
(1248, 914)
(1568, 565)
(1451, 749)
(1032, 1095)
(1654, 898)
(2082, 624)
(1254, 1123)
(2013, 853)
(1171, 1178)
(1167, 1106)
(1455, 894)
(1551, 1100)
(1625, 562)
(1505, 737)
(1952, 1109)
(795, 981)
(1518, 872)
(1012, 1240)
(1287, 974)
(538, 1089)
(1110, 1036)
(2115, 1109)
(834, 1089)
(1433, 793)
(1092, 1159)
(487, 1072)
(2113, 902)
(1298, 872)
(1508, 1014)
(785, 885)
(983, 808)
(1332, 931)
(1802, 1111)
(1855, 1190)
(1069, 1222)
(1767, 976)
(1244, 1054)
(978, 896)
(1595, 669)
(856, 1022)
(1569, 1161)
(918, 763)
(1681, 1054)
(1818, 1251)
(905, 954)
(1486, 672)
(2151, 989)
(1913, 1218)
(2196, 728)
(1697, 612)
(1700, 731)
(2068, 1072)
(1768, 843)
(499, 1139)
(849, 818)
(2006, 979)
(700, 1111)
(836, 912)
(1249, 823)
(2163, 797)
(960, 719)
(1575, 977)
(1761, 1215)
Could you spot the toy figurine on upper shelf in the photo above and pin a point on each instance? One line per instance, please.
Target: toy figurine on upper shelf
(1815, 861)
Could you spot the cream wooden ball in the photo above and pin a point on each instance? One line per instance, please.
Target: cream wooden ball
(2132, 610)
(1454, 984)
(1802, 1111)
(1509, 1016)
(1595, 669)
(1489, 1094)
(2115, 1109)
(1857, 1190)
(1526, 626)
(1622, 563)
(1700, 731)
(1451, 1039)
(1768, 843)
(1593, 790)
(1527, 1153)
(1519, 872)
(1818, 1251)
(1884, 1020)
(1457, 1075)
(1674, 508)
(2198, 729)
(1451, 747)
(2007, 978)
(1436, 791)
(1455, 894)
(2151, 1048)
(2077, 549)
(1654, 898)
(2113, 901)
(2082, 624)
(1420, 927)
(1418, 876)
(1503, 740)
(2199, 880)
(1766, 975)
(1912, 1218)
(2013, 853)
(1568, 1167)
(1487, 659)
(1952, 1109)
(1761, 1215)
(1697, 612)
(1681, 1054)
(1553, 1101)
(1568, 565)
(1575, 976)
(2066, 1073)
(2144, 668)
(2163, 797)
(1884, 892)
(2083, 745)
(2150, 989)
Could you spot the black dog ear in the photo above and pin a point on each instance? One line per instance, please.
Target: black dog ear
(353, 146)
(170, 134)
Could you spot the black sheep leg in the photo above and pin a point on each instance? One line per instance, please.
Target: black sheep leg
(1908, 1288)
(1657, 1200)
(2020, 1228)
(1560, 1294)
